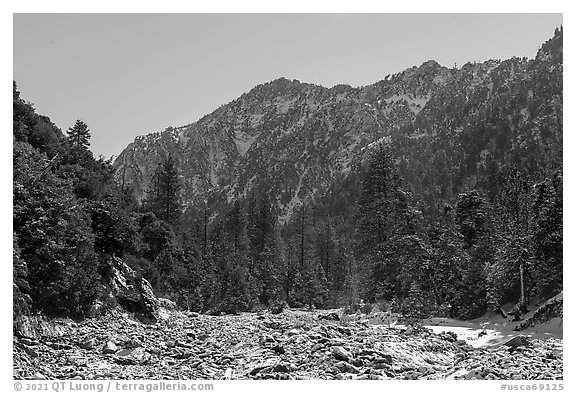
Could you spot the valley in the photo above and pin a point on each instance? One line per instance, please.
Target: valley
(265, 240)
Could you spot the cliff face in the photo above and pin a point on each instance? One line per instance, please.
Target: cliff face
(293, 140)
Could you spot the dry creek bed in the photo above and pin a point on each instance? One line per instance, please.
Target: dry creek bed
(294, 344)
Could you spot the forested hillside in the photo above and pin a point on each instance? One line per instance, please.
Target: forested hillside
(435, 191)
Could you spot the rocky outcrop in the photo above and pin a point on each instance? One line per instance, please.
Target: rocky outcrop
(291, 138)
(552, 308)
(126, 288)
(35, 327)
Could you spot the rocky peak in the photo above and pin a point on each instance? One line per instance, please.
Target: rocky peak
(552, 50)
(292, 139)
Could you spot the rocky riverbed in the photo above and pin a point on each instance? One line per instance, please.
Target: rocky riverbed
(294, 344)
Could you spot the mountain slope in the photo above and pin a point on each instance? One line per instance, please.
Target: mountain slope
(448, 128)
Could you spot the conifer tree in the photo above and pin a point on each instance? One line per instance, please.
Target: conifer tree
(414, 307)
(79, 134)
(383, 217)
(230, 252)
(448, 260)
(164, 195)
(263, 248)
(546, 235)
(473, 216)
(508, 276)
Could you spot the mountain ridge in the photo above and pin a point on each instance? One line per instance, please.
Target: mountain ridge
(291, 139)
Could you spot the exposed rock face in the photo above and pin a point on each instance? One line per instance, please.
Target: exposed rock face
(131, 291)
(552, 308)
(289, 137)
(34, 327)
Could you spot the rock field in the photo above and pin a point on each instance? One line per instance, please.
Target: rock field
(294, 344)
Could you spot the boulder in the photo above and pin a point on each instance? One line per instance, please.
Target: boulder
(341, 354)
(227, 374)
(88, 343)
(132, 356)
(329, 317)
(345, 367)
(279, 349)
(448, 336)
(60, 346)
(133, 292)
(110, 347)
(518, 341)
(34, 327)
(28, 341)
(384, 359)
(281, 368)
(263, 367)
(474, 374)
(32, 353)
(294, 332)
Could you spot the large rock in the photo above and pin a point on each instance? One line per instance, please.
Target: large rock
(110, 348)
(35, 327)
(346, 367)
(341, 354)
(518, 341)
(552, 308)
(329, 317)
(88, 343)
(133, 292)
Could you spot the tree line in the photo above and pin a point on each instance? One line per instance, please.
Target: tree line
(477, 251)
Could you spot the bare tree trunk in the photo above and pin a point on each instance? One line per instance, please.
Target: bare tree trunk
(46, 169)
(522, 301)
(205, 229)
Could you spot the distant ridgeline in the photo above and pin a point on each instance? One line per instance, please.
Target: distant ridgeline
(433, 191)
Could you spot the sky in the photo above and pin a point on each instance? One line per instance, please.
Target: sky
(126, 75)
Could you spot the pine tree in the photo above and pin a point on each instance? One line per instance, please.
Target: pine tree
(79, 135)
(164, 195)
(237, 290)
(204, 288)
(507, 277)
(473, 216)
(383, 217)
(448, 259)
(306, 282)
(546, 235)
(414, 307)
(351, 284)
(263, 248)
